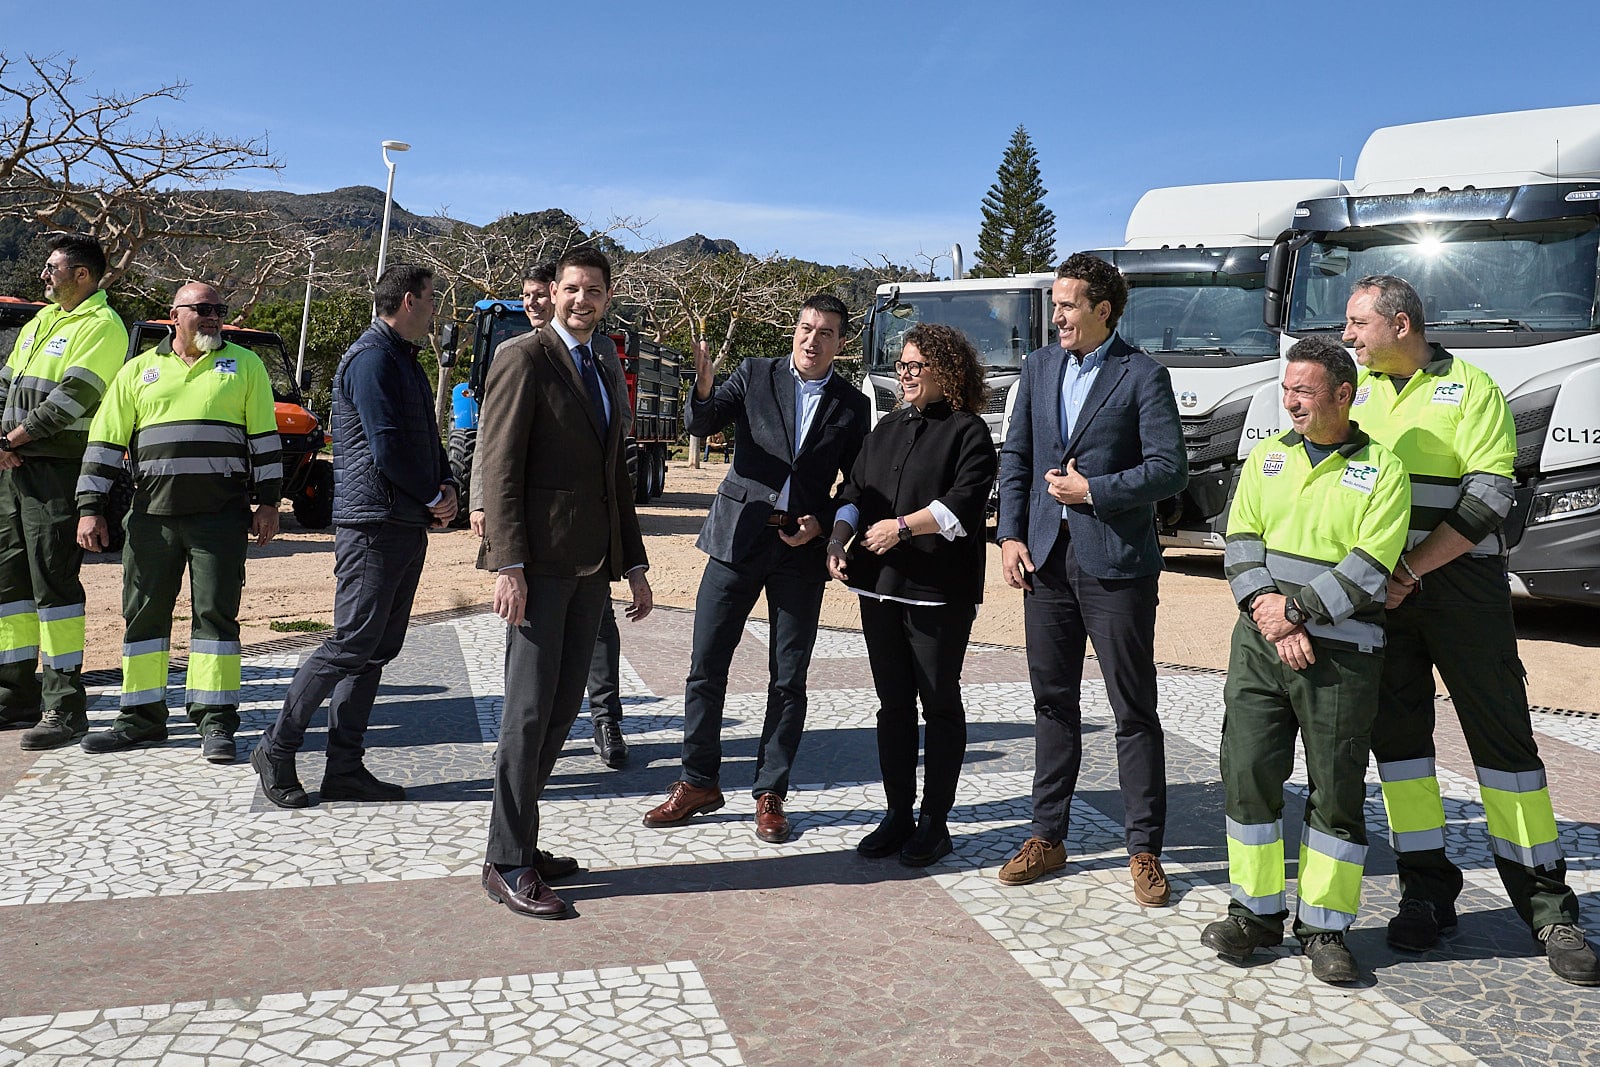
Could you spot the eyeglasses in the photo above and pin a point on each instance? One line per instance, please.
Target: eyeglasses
(910, 370)
(57, 268)
(219, 310)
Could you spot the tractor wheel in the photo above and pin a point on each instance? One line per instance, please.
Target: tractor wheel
(461, 447)
(313, 504)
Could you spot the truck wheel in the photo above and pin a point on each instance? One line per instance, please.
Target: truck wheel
(658, 464)
(461, 447)
(640, 469)
(313, 504)
(118, 501)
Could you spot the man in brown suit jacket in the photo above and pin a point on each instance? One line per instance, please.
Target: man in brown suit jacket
(560, 527)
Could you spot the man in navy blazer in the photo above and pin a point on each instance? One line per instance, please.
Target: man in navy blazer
(1094, 443)
(798, 427)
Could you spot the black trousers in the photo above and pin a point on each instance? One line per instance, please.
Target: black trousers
(605, 671)
(918, 651)
(547, 665)
(792, 580)
(1067, 608)
(377, 568)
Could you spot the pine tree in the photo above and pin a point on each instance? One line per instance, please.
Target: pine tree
(1019, 233)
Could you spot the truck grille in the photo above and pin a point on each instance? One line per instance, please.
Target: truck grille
(1214, 438)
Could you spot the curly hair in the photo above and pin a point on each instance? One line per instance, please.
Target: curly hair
(952, 361)
(1103, 282)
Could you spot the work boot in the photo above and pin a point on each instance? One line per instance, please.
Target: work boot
(1330, 961)
(360, 784)
(1236, 938)
(609, 743)
(279, 782)
(56, 728)
(217, 745)
(18, 718)
(1417, 925)
(1570, 956)
(119, 739)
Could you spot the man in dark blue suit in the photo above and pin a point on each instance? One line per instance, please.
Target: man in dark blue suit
(1094, 443)
(798, 427)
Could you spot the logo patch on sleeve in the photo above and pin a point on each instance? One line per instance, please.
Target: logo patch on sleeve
(227, 365)
(1272, 463)
(1362, 477)
(150, 376)
(1449, 393)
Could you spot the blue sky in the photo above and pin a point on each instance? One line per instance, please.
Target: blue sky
(831, 131)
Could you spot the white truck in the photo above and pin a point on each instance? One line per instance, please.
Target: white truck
(1495, 219)
(1195, 259)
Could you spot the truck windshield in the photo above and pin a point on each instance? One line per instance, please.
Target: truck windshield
(1002, 323)
(1474, 277)
(1197, 312)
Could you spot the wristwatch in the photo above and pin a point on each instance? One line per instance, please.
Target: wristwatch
(5, 442)
(1296, 614)
(905, 531)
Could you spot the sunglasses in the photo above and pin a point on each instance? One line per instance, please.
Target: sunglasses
(219, 310)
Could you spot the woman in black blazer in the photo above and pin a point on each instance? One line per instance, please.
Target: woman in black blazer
(916, 495)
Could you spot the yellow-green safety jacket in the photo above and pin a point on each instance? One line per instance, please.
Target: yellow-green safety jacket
(1328, 535)
(203, 438)
(57, 373)
(1451, 427)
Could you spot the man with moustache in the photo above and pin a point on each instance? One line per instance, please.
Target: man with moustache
(559, 527)
(392, 483)
(52, 384)
(1450, 609)
(605, 666)
(799, 427)
(196, 415)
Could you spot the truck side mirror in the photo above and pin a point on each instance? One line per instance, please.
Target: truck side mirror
(306, 378)
(447, 344)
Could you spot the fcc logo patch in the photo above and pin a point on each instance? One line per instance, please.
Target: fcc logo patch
(1362, 477)
(1448, 393)
(150, 376)
(56, 346)
(1272, 463)
(1361, 395)
(227, 365)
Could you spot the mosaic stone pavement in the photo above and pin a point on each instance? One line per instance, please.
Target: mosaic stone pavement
(155, 909)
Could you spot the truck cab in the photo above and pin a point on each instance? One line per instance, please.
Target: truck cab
(1495, 221)
(1195, 261)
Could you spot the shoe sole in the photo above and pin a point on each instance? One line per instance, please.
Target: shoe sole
(222, 758)
(881, 851)
(1230, 954)
(930, 859)
(1031, 878)
(703, 809)
(1340, 974)
(350, 798)
(615, 762)
(45, 746)
(773, 839)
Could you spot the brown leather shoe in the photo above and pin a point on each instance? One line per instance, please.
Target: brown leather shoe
(1150, 885)
(1035, 859)
(684, 801)
(551, 867)
(530, 896)
(771, 824)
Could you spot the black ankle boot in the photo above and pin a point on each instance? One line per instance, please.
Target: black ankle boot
(928, 844)
(891, 833)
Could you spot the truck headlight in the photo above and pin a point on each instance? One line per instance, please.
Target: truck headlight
(1548, 507)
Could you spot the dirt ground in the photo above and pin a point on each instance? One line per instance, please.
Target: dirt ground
(292, 579)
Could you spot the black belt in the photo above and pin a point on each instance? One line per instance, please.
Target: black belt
(778, 518)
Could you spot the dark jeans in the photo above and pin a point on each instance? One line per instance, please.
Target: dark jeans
(547, 661)
(728, 591)
(1066, 608)
(605, 670)
(918, 651)
(377, 568)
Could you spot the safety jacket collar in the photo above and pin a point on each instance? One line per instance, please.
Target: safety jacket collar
(1353, 444)
(88, 305)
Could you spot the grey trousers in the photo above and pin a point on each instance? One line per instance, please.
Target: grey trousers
(547, 667)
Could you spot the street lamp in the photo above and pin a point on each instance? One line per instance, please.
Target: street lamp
(388, 200)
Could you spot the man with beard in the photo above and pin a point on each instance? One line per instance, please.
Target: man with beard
(52, 385)
(196, 414)
(394, 482)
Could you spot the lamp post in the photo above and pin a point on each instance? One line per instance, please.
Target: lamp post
(305, 321)
(388, 200)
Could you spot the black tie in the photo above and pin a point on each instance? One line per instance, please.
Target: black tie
(591, 381)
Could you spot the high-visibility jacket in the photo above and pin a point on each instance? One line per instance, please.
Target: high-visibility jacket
(1452, 428)
(1328, 535)
(57, 373)
(203, 438)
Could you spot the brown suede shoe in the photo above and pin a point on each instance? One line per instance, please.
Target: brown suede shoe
(771, 824)
(1035, 859)
(530, 896)
(1150, 885)
(684, 801)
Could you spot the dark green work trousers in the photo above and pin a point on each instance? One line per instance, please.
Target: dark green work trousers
(41, 598)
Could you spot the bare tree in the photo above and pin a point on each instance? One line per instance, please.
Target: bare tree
(74, 158)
